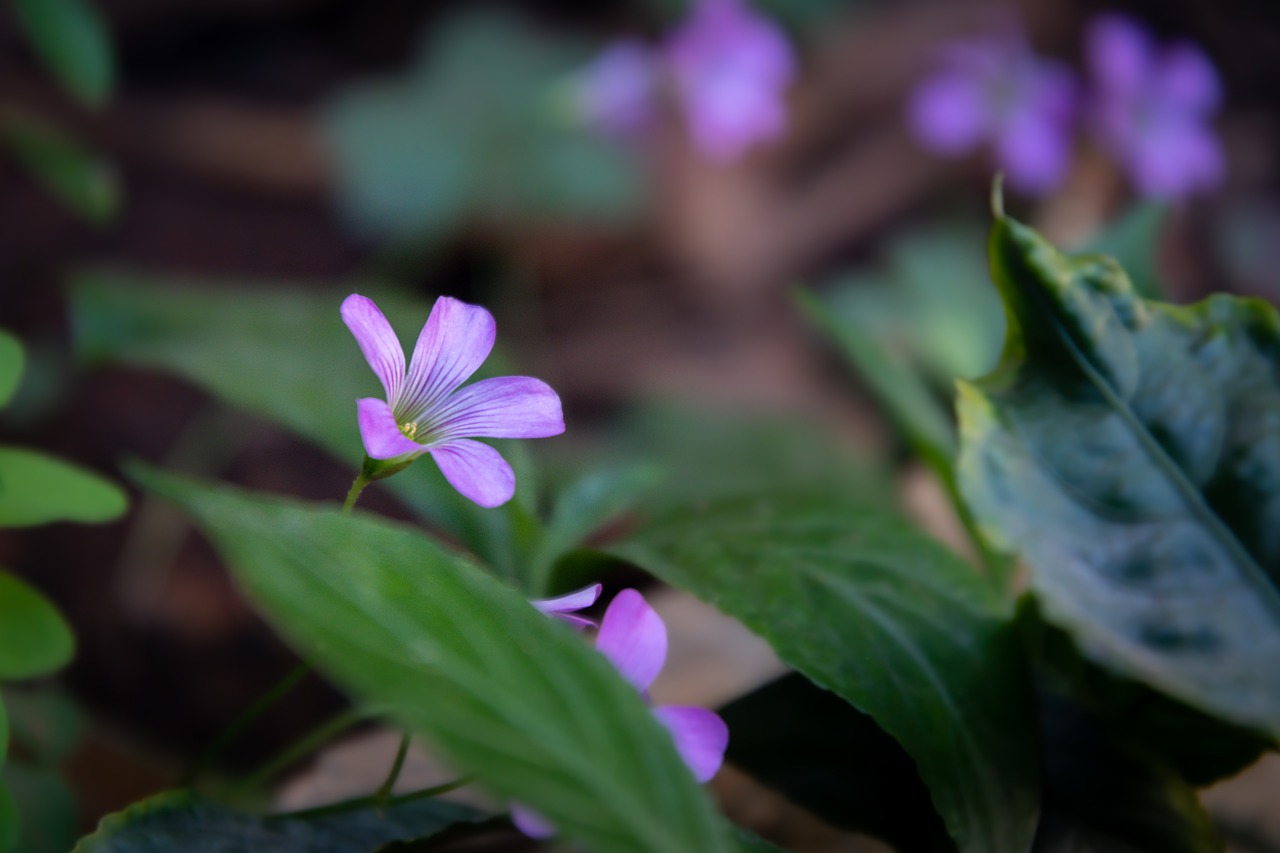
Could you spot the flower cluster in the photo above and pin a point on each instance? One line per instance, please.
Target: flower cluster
(1148, 107)
(633, 638)
(729, 69)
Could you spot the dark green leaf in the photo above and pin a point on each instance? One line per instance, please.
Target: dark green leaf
(34, 638)
(1103, 793)
(47, 805)
(1133, 240)
(865, 605)
(833, 760)
(281, 352)
(511, 695)
(73, 40)
(45, 722)
(181, 820)
(11, 360)
(38, 489)
(476, 130)
(9, 825)
(1129, 450)
(77, 176)
(4, 731)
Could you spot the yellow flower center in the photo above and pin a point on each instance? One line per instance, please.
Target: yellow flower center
(410, 430)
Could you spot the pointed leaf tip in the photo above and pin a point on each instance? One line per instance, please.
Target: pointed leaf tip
(997, 196)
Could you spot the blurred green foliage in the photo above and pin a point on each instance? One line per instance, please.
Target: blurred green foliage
(72, 39)
(71, 172)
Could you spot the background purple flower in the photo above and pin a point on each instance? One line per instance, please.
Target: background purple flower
(634, 639)
(731, 68)
(426, 412)
(615, 93)
(1153, 106)
(996, 90)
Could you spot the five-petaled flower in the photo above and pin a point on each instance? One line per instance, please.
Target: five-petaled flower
(634, 639)
(425, 410)
(997, 90)
(1152, 108)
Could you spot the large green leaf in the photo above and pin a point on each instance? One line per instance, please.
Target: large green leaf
(511, 695)
(1133, 240)
(34, 638)
(66, 168)
(281, 352)
(833, 760)
(9, 825)
(37, 489)
(73, 40)
(865, 605)
(181, 820)
(1130, 451)
(11, 361)
(475, 130)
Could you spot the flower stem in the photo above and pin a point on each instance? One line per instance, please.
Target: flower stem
(383, 794)
(305, 745)
(357, 486)
(363, 802)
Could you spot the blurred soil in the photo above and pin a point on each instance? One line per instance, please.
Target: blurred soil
(213, 131)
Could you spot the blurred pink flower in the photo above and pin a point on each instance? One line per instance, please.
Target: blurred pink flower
(425, 410)
(615, 93)
(634, 639)
(1153, 106)
(996, 90)
(731, 68)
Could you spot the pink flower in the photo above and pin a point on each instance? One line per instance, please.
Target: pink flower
(425, 410)
(634, 639)
(1153, 108)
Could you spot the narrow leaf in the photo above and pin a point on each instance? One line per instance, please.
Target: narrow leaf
(11, 362)
(1129, 450)
(866, 606)
(34, 638)
(75, 175)
(511, 695)
(72, 38)
(38, 489)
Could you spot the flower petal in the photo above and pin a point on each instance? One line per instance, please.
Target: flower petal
(380, 432)
(477, 471)
(1189, 80)
(502, 407)
(701, 737)
(1034, 153)
(530, 822)
(949, 113)
(634, 639)
(1120, 54)
(1176, 158)
(577, 600)
(455, 341)
(377, 341)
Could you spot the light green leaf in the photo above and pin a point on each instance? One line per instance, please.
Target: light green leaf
(47, 805)
(476, 130)
(866, 606)
(1129, 450)
(11, 361)
(34, 638)
(451, 652)
(72, 38)
(182, 820)
(281, 352)
(9, 825)
(78, 177)
(38, 489)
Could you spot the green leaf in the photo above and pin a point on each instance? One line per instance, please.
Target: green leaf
(1132, 239)
(38, 489)
(4, 731)
(182, 820)
(866, 606)
(1104, 793)
(11, 361)
(46, 722)
(78, 177)
(281, 352)
(477, 130)
(833, 760)
(512, 696)
(9, 825)
(72, 38)
(1128, 450)
(34, 638)
(47, 805)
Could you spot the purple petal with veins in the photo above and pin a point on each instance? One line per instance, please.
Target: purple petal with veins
(701, 737)
(455, 341)
(382, 436)
(562, 608)
(634, 639)
(377, 341)
(503, 407)
(476, 470)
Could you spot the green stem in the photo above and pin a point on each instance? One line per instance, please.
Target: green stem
(238, 726)
(383, 794)
(305, 745)
(364, 802)
(353, 494)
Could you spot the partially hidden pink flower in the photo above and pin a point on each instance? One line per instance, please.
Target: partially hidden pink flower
(425, 410)
(1153, 106)
(634, 639)
(995, 90)
(565, 606)
(731, 68)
